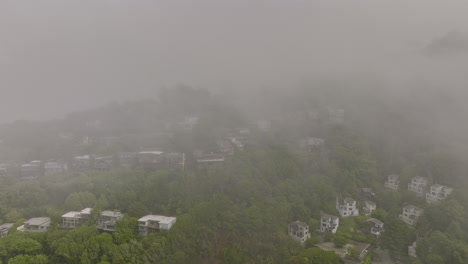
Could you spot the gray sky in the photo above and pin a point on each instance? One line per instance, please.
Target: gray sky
(64, 55)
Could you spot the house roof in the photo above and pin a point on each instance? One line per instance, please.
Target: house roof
(29, 165)
(72, 214)
(211, 157)
(38, 221)
(84, 157)
(346, 200)
(360, 247)
(159, 218)
(412, 207)
(6, 226)
(418, 178)
(327, 216)
(111, 213)
(151, 152)
(394, 176)
(370, 203)
(86, 211)
(377, 221)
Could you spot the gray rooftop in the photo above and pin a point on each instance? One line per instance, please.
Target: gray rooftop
(377, 221)
(111, 214)
(6, 226)
(37, 221)
(327, 216)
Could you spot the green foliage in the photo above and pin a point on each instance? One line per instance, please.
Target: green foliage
(27, 259)
(80, 200)
(233, 254)
(17, 244)
(340, 241)
(231, 212)
(125, 230)
(397, 236)
(137, 210)
(315, 256)
(442, 248)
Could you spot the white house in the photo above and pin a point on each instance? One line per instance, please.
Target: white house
(206, 158)
(347, 207)
(31, 171)
(4, 229)
(107, 219)
(37, 224)
(311, 143)
(299, 231)
(393, 182)
(54, 167)
(418, 185)
(154, 223)
(438, 193)
(328, 223)
(73, 219)
(368, 207)
(376, 226)
(411, 214)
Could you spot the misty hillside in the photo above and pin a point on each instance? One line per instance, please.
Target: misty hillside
(235, 175)
(233, 132)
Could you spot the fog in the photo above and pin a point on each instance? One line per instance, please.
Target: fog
(62, 56)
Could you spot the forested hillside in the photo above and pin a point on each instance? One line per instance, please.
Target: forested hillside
(236, 211)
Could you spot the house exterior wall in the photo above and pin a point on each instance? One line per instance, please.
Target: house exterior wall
(347, 207)
(418, 185)
(392, 182)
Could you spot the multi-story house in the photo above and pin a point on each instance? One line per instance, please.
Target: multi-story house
(203, 158)
(368, 207)
(346, 207)
(225, 146)
(367, 194)
(103, 163)
(311, 144)
(328, 223)
(157, 160)
(411, 214)
(189, 122)
(127, 159)
(154, 223)
(393, 182)
(376, 227)
(5, 228)
(107, 219)
(82, 163)
(438, 193)
(31, 171)
(37, 224)
(174, 160)
(54, 167)
(73, 219)
(418, 185)
(299, 231)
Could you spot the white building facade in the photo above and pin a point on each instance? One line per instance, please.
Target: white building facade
(347, 207)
